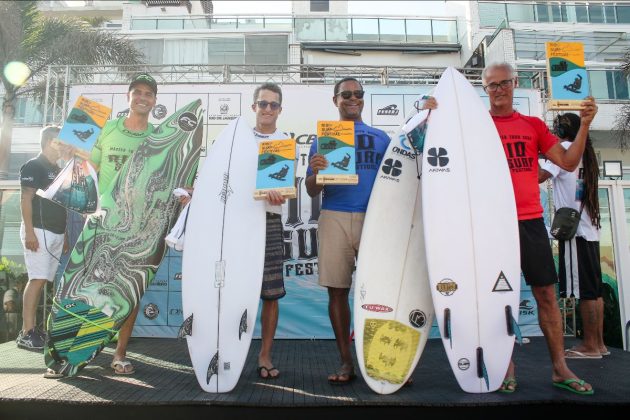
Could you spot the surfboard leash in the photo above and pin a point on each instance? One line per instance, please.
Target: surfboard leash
(85, 320)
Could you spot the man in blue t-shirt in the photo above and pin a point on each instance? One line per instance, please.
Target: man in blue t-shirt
(342, 215)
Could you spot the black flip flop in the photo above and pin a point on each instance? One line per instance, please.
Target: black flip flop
(268, 370)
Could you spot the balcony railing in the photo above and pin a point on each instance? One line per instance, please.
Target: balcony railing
(308, 28)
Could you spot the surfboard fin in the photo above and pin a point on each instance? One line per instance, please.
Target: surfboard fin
(242, 327)
(186, 327)
(213, 367)
(482, 372)
(447, 325)
(512, 325)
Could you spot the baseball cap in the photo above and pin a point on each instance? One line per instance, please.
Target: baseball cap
(146, 79)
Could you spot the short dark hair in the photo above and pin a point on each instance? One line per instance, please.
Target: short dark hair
(268, 86)
(48, 133)
(345, 79)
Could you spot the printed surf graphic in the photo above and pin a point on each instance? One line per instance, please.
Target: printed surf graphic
(276, 168)
(83, 125)
(335, 140)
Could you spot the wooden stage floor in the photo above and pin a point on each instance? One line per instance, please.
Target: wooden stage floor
(164, 386)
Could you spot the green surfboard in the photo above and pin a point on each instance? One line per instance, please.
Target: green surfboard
(122, 245)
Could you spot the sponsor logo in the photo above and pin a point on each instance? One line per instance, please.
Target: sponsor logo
(525, 305)
(151, 311)
(187, 121)
(437, 157)
(388, 110)
(70, 305)
(392, 167)
(417, 318)
(376, 307)
(446, 287)
(226, 365)
(502, 284)
(403, 152)
(226, 190)
(224, 108)
(178, 276)
(331, 145)
(159, 111)
(175, 311)
(123, 113)
(526, 308)
(160, 282)
(463, 364)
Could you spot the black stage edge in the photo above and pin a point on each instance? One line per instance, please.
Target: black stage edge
(164, 387)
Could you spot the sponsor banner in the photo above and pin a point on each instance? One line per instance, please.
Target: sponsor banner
(304, 309)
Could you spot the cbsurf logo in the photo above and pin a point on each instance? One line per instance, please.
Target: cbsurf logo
(463, 364)
(438, 158)
(187, 121)
(372, 307)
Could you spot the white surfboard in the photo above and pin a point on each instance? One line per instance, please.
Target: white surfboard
(393, 311)
(223, 260)
(471, 234)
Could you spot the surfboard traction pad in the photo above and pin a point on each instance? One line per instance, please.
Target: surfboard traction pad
(389, 348)
(117, 254)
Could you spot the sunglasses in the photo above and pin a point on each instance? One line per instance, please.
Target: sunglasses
(264, 104)
(347, 94)
(504, 84)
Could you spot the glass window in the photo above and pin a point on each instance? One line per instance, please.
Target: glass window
(599, 85)
(558, 13)
(609, 11)
(226, 51)
(581, 13)
(266, 49)
(365, 29)
(310, 29)
(520, 12)
(596, 13)
(170, 24)
(197, 23)
(418, 30)
(250, 23)
(338, 30)
(224, 23)
(444, 31)
(320, 5)
(542, 12)
(28, 111)
(143, 24)
(153, 49)
(392, 30)
(185, 51)
(279, 23)
(491, 14)
(621, 85)
(623, 14)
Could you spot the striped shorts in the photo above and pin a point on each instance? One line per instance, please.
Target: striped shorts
(273, 279)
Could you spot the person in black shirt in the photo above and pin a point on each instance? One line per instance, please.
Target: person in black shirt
(42, 232)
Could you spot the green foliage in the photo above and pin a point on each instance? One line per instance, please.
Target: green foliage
(11, 268)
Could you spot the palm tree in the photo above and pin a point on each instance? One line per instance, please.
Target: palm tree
(27, 36)
(622, 122)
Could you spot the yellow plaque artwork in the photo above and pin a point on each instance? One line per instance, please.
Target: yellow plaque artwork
(388, 350)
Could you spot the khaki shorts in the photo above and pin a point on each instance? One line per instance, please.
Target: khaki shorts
(339, 236)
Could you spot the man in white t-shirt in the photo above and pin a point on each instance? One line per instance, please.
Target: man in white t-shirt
(580, 268)
(268, 106)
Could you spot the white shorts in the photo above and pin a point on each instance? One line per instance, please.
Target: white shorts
(43, 263)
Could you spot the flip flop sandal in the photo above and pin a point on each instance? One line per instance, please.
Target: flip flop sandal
(120, 367)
